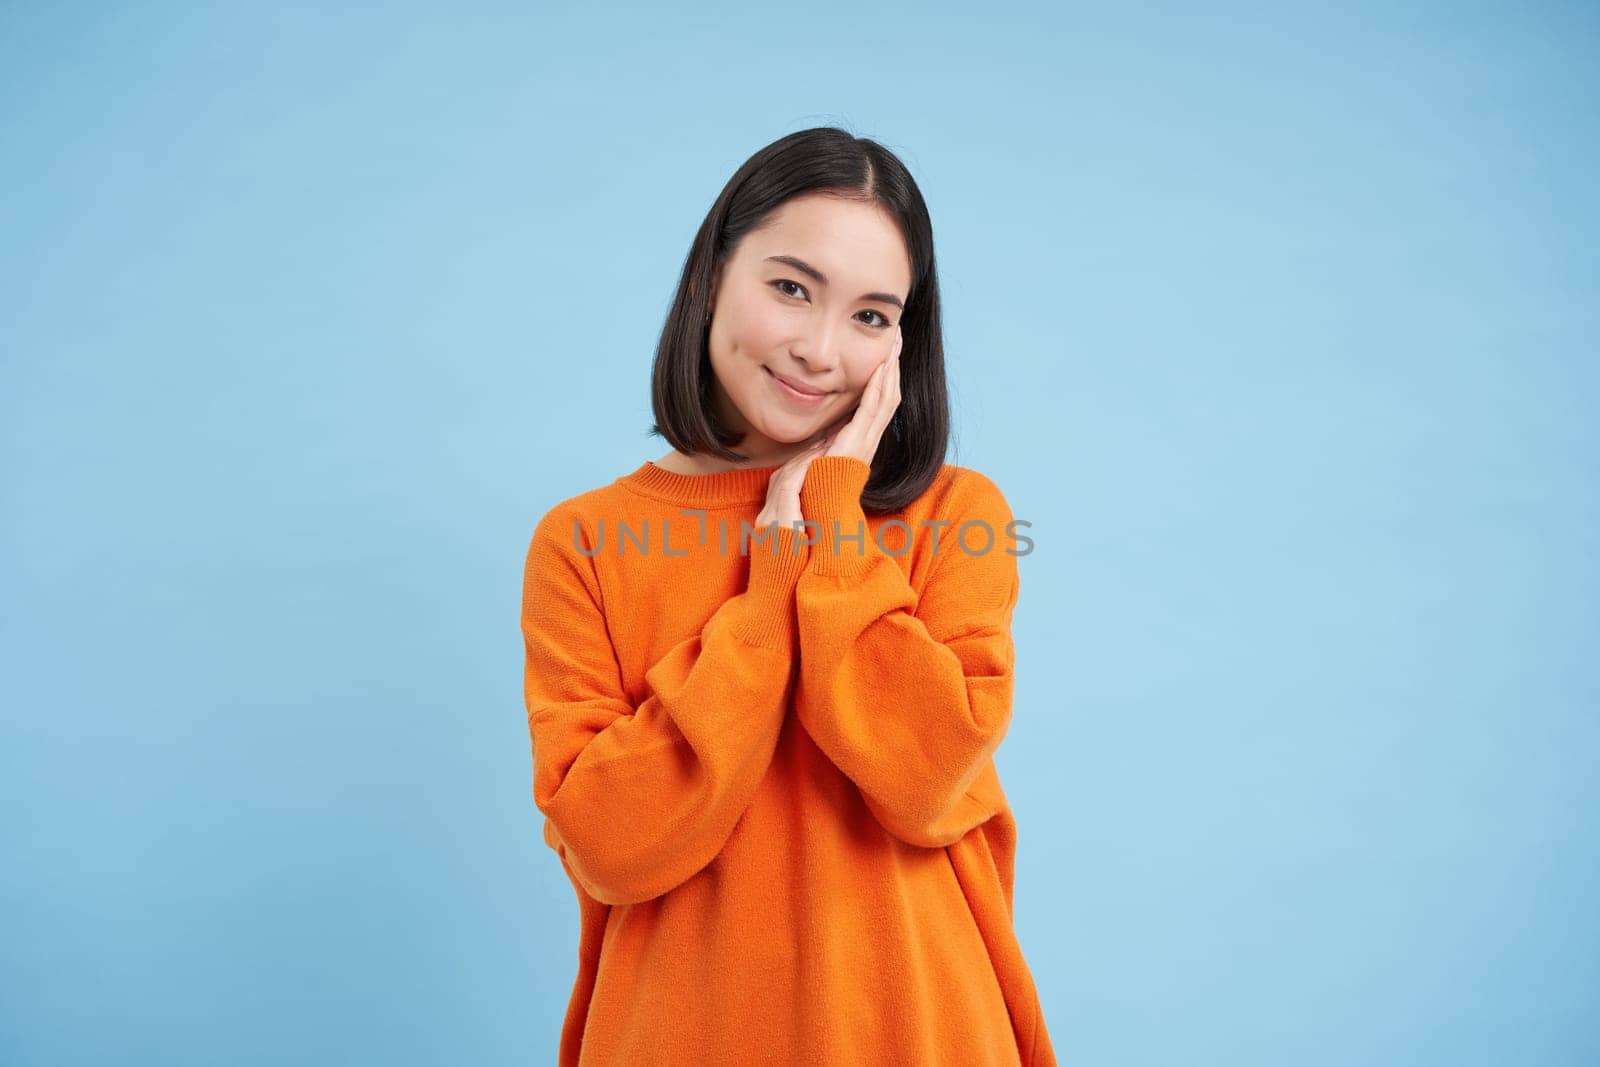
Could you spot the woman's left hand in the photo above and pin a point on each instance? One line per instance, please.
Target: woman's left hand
(879, 400)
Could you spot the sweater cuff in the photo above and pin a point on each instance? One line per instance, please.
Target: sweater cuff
(831, 498)
(778, 556)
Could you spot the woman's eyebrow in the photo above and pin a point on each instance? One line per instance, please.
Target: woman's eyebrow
(805, 268)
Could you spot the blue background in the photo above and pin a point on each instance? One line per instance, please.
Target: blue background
(1278, 323)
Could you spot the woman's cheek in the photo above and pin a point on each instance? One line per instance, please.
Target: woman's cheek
(766, 335)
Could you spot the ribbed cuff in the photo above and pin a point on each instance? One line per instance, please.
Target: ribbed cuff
(831, 498)
(777, 559)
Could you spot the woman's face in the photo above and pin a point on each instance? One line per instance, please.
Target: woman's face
(773, 319)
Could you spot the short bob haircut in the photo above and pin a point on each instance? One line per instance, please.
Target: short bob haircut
(830, 161)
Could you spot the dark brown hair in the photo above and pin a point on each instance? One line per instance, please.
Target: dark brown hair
(831, 161)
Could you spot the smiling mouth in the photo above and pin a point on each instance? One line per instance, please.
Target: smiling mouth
(796, 389)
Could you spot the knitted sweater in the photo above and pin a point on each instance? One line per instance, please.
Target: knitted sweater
(766, 767)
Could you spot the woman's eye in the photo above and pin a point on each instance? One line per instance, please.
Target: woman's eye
(779, 284)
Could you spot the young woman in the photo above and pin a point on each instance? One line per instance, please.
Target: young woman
(765, 683)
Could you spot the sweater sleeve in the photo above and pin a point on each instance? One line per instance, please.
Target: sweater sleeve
(638, 799)
(909, 698)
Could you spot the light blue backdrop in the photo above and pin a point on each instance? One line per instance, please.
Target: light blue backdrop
(1278, 324)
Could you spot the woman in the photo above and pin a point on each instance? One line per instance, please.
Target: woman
(765, 686)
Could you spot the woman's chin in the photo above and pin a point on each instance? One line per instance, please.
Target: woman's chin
(786, 431)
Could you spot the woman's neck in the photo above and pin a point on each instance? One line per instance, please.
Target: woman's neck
(679, 463)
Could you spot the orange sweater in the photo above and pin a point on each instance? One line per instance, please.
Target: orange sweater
(827, 886)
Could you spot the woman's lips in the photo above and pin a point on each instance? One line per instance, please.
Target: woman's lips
(789, 391)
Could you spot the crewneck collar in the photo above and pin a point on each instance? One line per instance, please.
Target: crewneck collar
(742, 485)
